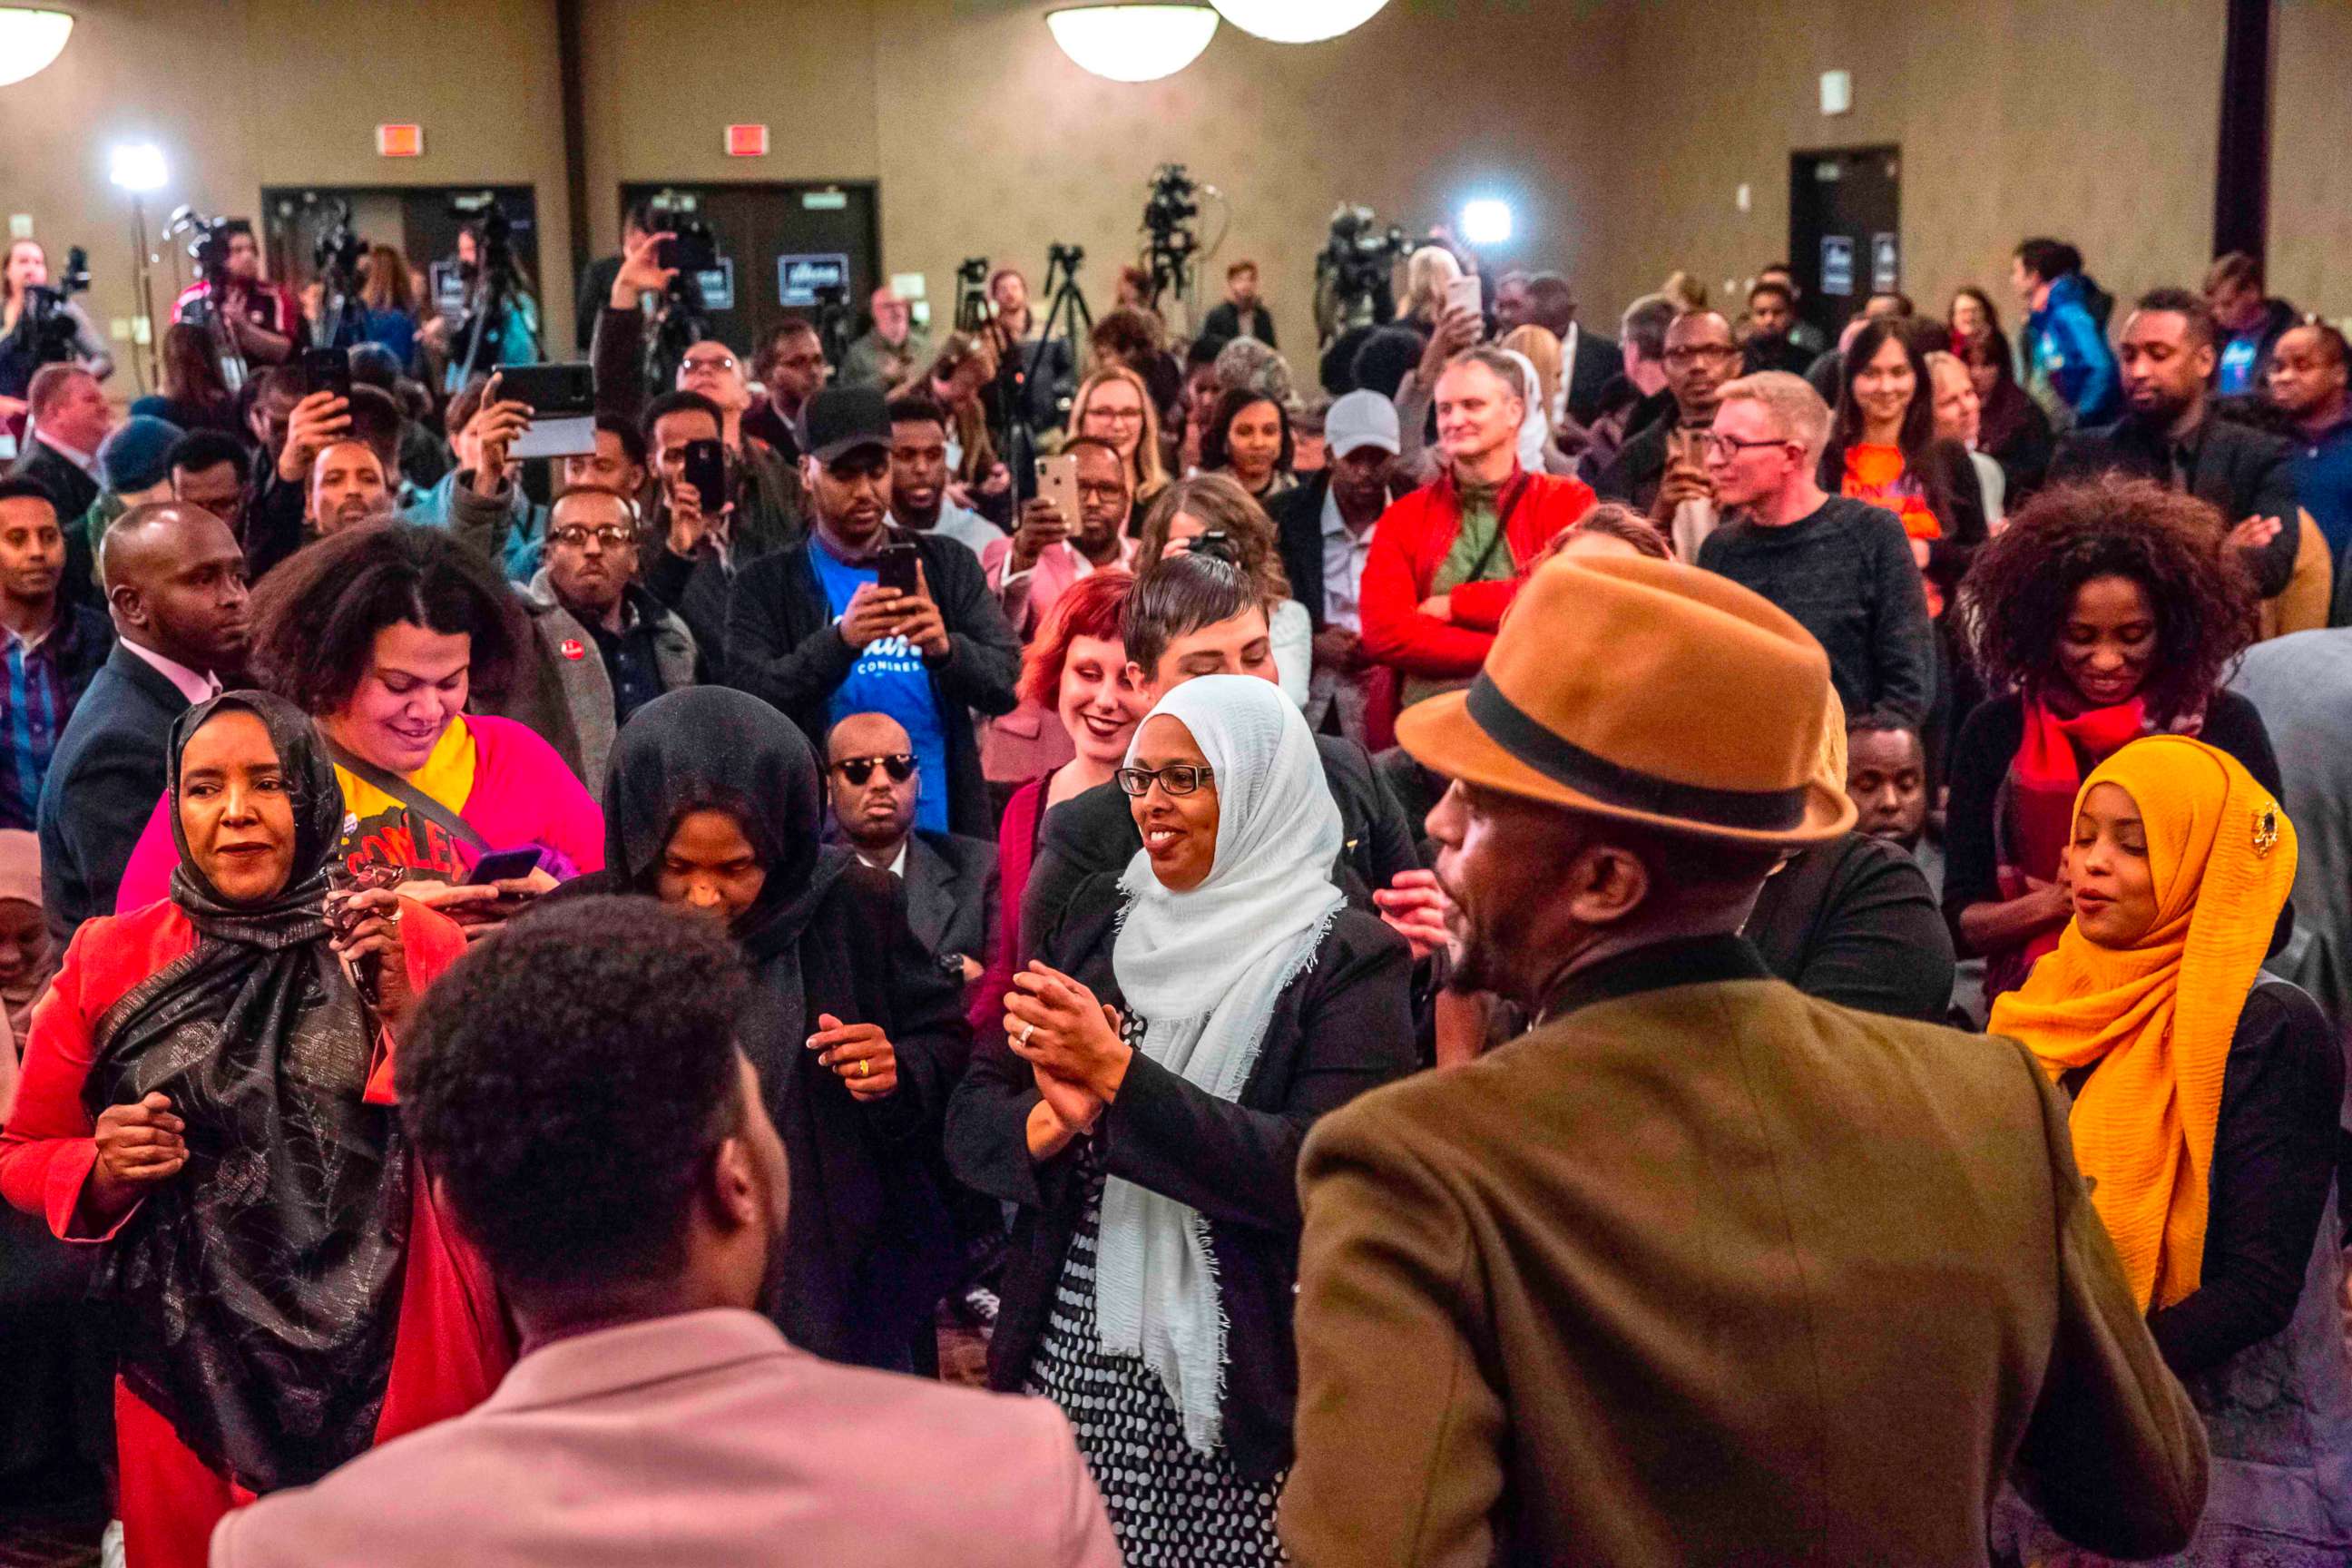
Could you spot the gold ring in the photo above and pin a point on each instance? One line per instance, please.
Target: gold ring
(865, 1067)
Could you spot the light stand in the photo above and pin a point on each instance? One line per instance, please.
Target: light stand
(138, 168)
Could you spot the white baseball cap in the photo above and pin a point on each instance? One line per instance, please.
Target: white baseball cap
(1361, 419)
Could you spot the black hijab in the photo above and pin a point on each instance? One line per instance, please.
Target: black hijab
(708, 748)
(259, 1287)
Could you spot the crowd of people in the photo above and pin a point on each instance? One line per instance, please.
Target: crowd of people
(1723, 947)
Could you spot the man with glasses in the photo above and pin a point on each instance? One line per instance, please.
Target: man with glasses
(791, 368)
(815, 630)
(1050, 550)
(873, 783)
(1840, 568)
(1661, 467)
(603, 646)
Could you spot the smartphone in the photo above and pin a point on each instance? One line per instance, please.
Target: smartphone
(705, 470)
(327, 370)
(896, 567)
(563, 403)
(690, 252)
(1462, 294)
(1057, 482)
(503, 865)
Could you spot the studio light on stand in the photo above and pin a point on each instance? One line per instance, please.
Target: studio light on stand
(1487, 222)
(31, 37)
(1133, 42)
(137, 167)
(1298, 21)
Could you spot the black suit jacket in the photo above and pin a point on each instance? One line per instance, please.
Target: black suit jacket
(951, 894)
(2243, 471)
(1297, 516)
(1225, 321)
(104, 783)
(782, 646)
(1085, 843)
(1598, 362)
(72, 489)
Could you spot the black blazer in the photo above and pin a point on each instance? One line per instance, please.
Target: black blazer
(1342, 1026)
(1854, 921)
(104, 780)
(1297, 516)
(68, 486)
(783, 648)
(1598, 362)
(951, 894)
(2243, 471)
(1085, 842)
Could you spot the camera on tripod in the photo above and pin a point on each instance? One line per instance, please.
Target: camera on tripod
(1067, 257)
(338, 250)
(1170, 204)
(46, 325)
(1353, 269)
(209, 238)
(493, 231)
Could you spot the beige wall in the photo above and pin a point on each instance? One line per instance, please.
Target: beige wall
(1620, 129)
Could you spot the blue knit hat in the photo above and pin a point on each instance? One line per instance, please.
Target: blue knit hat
(137, 455)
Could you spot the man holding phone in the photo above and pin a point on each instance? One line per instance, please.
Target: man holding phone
(1664, 466)
(862, 617)
(1072, 528)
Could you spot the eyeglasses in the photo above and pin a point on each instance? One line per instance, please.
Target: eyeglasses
(1176, 778)
(1717, 352)
(899, 765)
(612, 537)
(1729, 447)
(1116, 415)
(709, 361)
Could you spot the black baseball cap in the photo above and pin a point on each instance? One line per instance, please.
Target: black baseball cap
(842, 419)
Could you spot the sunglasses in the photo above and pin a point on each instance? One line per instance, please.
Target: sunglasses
(899, 765)
(1176, 778)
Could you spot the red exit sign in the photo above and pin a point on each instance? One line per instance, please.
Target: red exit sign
(400, 140)
(747, 141)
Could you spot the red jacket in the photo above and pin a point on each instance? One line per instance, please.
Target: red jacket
(452, 1345)
(1409, 544)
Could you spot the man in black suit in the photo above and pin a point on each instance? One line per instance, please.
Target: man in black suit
(176, 584)
(1241, 314)
(69, 416)
(950, 879)
(1588, 361)
(2172, 436)
(1192, 615)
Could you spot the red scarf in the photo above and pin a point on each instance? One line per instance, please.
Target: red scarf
(2044, 782)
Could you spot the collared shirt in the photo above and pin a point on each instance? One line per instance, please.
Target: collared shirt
(85, 461)
(33, 710)
(1080, 567)
(1345, 550)
(195, 688)
(630, 663)
(963, 525)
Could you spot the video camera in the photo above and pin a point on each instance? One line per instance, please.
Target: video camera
(209, 242)
(46, 326)
(1353, 269)
(492, 229)
(338, 250)
(1169, 210)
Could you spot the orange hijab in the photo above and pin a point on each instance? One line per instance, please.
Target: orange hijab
(2157, 1018)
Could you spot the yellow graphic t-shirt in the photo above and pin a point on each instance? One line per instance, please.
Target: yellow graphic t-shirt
(379, 830)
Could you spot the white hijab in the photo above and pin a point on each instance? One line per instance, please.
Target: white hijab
(1204, 970)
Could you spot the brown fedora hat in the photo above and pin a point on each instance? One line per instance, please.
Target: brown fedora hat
(1650, 691)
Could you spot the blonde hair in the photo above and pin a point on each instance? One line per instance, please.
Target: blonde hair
(1426, 273)
(1144, 470)
(1791, 402)
(1939, 360)
(1541, 349)
(1684, 291)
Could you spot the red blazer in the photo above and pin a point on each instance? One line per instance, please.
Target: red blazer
(1409, 544)
(452, 1346)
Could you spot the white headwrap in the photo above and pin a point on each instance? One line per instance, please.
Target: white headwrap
(1204, 970)
(1534, 430)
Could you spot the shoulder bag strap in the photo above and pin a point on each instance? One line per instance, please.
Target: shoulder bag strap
(415, 800)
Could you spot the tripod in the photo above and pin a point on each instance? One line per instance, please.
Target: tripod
(1068, 305)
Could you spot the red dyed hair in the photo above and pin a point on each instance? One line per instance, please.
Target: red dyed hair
(1089, 607)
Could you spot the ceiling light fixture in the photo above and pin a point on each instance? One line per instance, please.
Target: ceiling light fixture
(1133, 42)
(30, 38)
(1297, 21)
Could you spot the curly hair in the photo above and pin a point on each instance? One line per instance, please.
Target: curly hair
(565, 1083)
(2014, 601)
(1221, 505)
(315, 616)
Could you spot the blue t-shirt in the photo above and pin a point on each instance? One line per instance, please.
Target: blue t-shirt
(889, 678)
